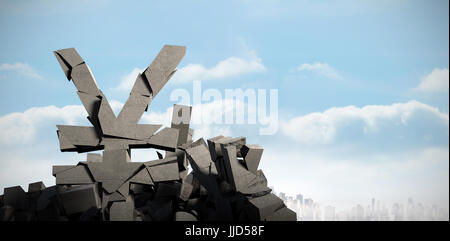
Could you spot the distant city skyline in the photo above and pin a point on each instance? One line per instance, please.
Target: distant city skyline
(374, 210)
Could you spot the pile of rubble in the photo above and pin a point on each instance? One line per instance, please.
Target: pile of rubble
(217, 180)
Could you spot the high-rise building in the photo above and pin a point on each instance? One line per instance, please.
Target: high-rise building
(308, 213)
(308, 202)
(329, 214)
(359, 212)
(300, 198)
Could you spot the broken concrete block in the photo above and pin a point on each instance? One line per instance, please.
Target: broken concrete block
(197, 143)
(115, 197)
(166, 160)
(94, 157)
(142, 177)
(79, 135)
(36, 187)
(237, 142)
(263, 207)
(163, 67)
(161, 210)
(185, 216)
(199, 157)
(23, 216)
(76, 199)
(283, 214)
(165, 190)
(204, 169)
(137, 188)
(68, 58)
(237, 176)
(92, 214)
(124, 189)
(141, 86)
(122, 211)
(181, 118)
(185, 191)
(166, 139)
(15, 197)
(257, 187)
(114, 170)
(190, 134)
(212, 146)
(48, 206)
(91, 103)
(112, 185)
(106, 117)
(165, 172)
(78, 175)
(6, 213)
(252, 156)
(57, 169)
(133, 110)
(84, 80)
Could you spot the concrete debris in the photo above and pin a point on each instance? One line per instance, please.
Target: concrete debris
(224, 183)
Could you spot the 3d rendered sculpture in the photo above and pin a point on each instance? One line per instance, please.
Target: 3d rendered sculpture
(224, 184)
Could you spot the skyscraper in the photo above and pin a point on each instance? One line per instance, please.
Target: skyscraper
(329, 214)
(359, 212)
(308, 202)
(300, 198)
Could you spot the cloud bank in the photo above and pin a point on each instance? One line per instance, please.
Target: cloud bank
(322, 69)
(127, 80)
(436, 81)
(23, 69)
(22, 127)
(229, 67)
(325, 127)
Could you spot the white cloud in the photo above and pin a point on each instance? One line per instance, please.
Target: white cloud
(436, 81)
(21, 127)
(322, 127)
(313, 128)
(157, 117)
(229, 67)
(116, 106)
(127, 81)
(320, 68)
(21, 69)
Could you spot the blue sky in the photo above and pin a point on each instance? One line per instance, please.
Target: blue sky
(362, 85)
